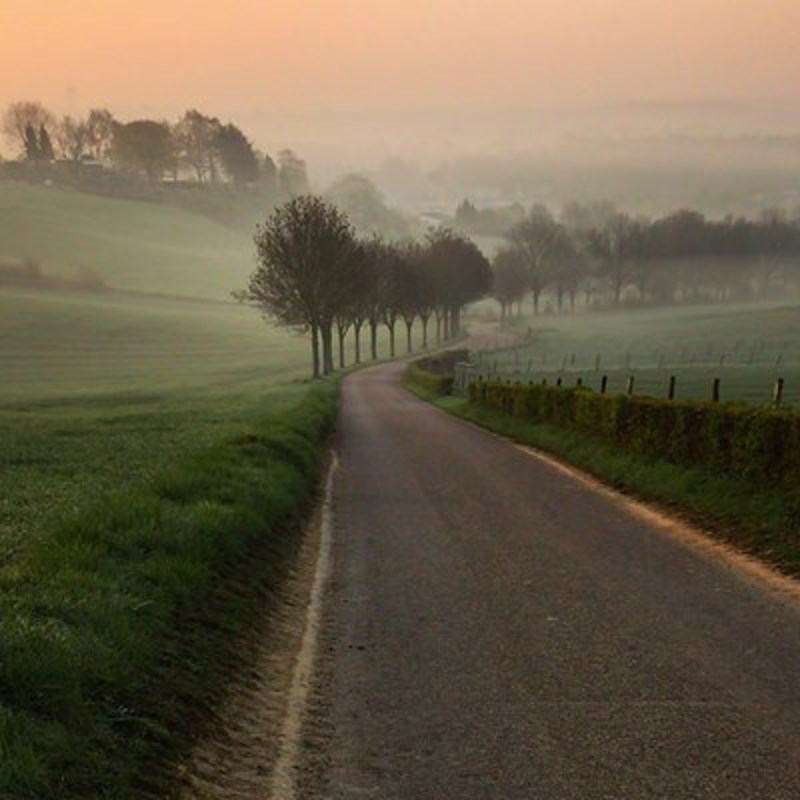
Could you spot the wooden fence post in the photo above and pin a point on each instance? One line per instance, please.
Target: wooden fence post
(671, 392)
(558, 381)
(579, 382)
(603, 384)
(715, 391)
(777, 392)
(630, 385)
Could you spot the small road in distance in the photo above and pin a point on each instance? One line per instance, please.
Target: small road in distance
(495, 628)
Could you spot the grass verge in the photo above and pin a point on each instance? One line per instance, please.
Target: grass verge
(118, 623)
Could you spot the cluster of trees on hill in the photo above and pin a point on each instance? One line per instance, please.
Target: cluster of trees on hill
(487, 221)
(315, 275)
(683, 256)
(197, 147)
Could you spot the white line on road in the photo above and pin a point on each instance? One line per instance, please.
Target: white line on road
(284, 783)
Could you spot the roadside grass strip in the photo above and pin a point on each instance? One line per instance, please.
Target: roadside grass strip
(117, 624)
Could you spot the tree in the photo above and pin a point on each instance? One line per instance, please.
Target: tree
(410, 289)
(72, 138)
(363, 202)
(100, 127)
(617, 247)
(196, 137)
(308, 265)
(539, 240)
(32, 152)
(21, 116)
(144, 147)
(237, 155)
(461, 275)
(510, 280)
(292, 176)
(46, 152)
(376, 255)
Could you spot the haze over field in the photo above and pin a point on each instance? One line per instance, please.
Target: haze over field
(352, 83)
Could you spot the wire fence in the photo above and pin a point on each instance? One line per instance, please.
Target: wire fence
(753, 375)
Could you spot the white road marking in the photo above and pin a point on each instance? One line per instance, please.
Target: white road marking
(284, 775)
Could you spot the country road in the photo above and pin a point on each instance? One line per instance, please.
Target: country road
(495, 628)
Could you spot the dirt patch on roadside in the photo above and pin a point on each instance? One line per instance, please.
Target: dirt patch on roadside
(237, 756)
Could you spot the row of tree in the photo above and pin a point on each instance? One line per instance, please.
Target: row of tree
(682, 256)
(197, 147)
(316, 276)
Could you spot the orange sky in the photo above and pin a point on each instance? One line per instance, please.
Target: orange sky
(248, 58)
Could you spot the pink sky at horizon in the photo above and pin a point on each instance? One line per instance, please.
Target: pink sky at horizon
(247, 59)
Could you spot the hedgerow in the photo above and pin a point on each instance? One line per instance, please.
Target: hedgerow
(759, 444)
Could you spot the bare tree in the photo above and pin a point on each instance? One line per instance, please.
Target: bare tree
(72, 138)
(195, 136)
(617, 247)
(537, 239)
(22, 116)
(510, 282)
(100, 127)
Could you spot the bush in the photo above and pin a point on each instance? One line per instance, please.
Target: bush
(760, 444)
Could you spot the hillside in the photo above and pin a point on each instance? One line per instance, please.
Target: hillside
(130, 245)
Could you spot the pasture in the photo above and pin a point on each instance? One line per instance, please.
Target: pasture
(746, 346)
(139, 246)
(98, 394)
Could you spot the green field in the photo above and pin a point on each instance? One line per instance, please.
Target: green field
(747, 347)
(130, 245)
(98, 394)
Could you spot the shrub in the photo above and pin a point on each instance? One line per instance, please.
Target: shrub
(759, 444)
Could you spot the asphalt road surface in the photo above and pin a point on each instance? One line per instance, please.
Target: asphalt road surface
(497, 629)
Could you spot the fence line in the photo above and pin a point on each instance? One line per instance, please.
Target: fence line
(466, 372)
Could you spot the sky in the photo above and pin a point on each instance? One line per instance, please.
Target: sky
(323, 65)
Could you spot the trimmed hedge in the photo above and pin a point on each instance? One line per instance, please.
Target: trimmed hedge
(761, 445)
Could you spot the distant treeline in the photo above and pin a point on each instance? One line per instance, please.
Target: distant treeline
(28, 274)
(613, 257)
(198, 148)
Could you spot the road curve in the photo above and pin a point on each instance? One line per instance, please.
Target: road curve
(497, 629)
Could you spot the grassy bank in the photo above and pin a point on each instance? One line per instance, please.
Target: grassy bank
(117, 620)
(761, 521)
(747, 346)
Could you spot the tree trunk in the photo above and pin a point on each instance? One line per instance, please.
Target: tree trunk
(425, 333)
(327, 348)
(409, 347)
(315, 350)
(391, 339)
(357, 336)
(536, 293)
(373, 339)
(438, 328)
(342, 334)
